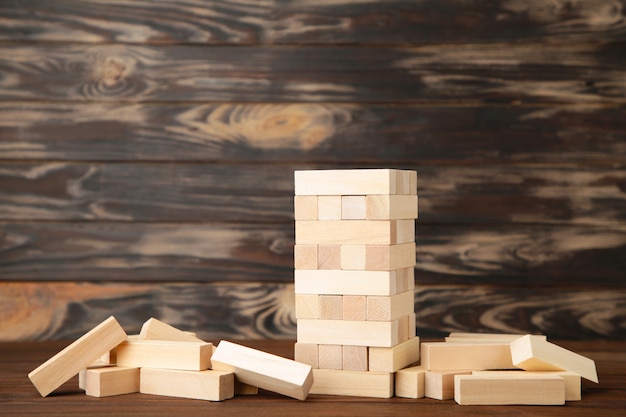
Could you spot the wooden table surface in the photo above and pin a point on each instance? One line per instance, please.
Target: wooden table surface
(19, 398)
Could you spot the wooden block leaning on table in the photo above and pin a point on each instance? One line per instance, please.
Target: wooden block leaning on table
(509, 390)
(392, 359)
(443, 356)
(154, 329)
(352, 383)
(572, 379)
(208, 385)
(439, 385)
(113, 380)
(162, 354)
(355, 182)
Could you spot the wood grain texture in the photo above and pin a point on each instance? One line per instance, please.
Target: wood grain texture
(506, 73)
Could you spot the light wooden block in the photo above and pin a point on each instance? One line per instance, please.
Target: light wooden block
(403, 231)
(353, 207)
(245, 389)
(353, 232)
(154, 329)
(403, 328)
(354, 333)
(264, 370)
(406, 182)
(307, 306)
(329, 207)
(389, 257)
(461, 337)
(331, 307)
(387, 308)
(78, 355)
(509, 390)
(352, 383)
(392, 359)
(391, 207)
(307, 353)
(329, 257)
(410, 382)
(533, 354)
(330, 356)
(412, 326)
(348, 181)
(383, 283)
(412, 182)
(305, 256)
(83, 372)
(439, 385)
(442, 356)
(305, 207)
(354, 307)
(572, 379)
(355, 358)
(204, 385)
(353, 257)
(161, 354)
(112, 380)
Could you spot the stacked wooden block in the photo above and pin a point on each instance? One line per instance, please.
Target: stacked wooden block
(354, 259)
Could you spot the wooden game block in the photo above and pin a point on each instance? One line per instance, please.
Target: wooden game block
(330, 356)
(307, 306)
(382, 283)
(349, 181)
(387, 308)
(107, 358)
(305, 207)
(403, 328)
(329, 207)
(354, 307)
(406, 182)
(161, 354)
(352, 383)
(355, 358)
(412, 182)
(245, 389)
(204, 385)
(154, 329)
(353, 257)
(78, 355)
(377, 257)
(392, 359)
(111, 380)
(305, 257)
(331, 307)
(509, 390)
(439, 385)
(307, 353)
(533, 354)
(353, 207)
(354, 232)
(412, 326)
(83, 372)
(410, 382)
(442, 356)
(354, 333)
(460, 337)
(391, 207)
(572, 379)
(264, 370)
(329, 257)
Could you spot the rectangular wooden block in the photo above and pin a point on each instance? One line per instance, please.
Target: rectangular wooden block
(460, 337)
(305, 257)
(264, 370)
(391, 207)
(331, 307)
(204, 385)
(354, 307)
(394, 358)
(439, 385)
(387, 308)
(442, 356)
(307, 353)
(509, 390)
(353, 182)
(112, 380)
(352, 383)
(353, 207)
(533, 354)
(343, 232)
(355, 358)
(161, 354)
(154, 329)
(307, 306)
(377, 257)
(330, 356)
(329, 257)
(305, 207)
(572, 379)
(381, 283)
(410, 382)
(82, 374)
(245, 389)
(354, 333)
(78, 355)
(329, 207)
(353, 257)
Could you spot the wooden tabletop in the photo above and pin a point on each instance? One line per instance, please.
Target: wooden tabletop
(19, 398)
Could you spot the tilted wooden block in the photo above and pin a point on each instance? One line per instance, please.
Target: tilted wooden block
(354, 307)
(442, 356)
(572, 379)
(460, 337)
(355, 182)
(377, 257)
(343, 232)
(352, 383)
(307, 306)
(354, 333)
(61, 367)
(305, 257)
(330, 356)
(331, 307)
(387, 308)
(533, 354)
(355, 358)
(354, 282)
(305, 207)
(203, 385)
(509, 390)
(439, 385)
(264, 370)
(353, 207)
(329, 207)
(391, 207)
(112, 380)
(329, 257)
(161, 354)
(307, 353)
(394, 358)
(410, 382)
(154, 329)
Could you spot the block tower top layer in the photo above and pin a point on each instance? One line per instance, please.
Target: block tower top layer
(355, 182)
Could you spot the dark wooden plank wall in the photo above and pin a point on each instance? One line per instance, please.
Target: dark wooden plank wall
(147, 152)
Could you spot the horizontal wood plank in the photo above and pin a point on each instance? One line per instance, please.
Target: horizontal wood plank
(346, 21)
(529, 73)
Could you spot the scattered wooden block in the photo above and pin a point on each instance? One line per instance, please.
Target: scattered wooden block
(354, 282)
(83, 372)
(354, 182)
(245, 389)
(355, 358)
(55, 371)
(111, 380)
(439, 385)
(329, 257)
(330, 357)
(572, 379)
(391, 207)
(331, 307)
(442, 356)
(354, 307)
(329, 207)
(354, 333)
(341, 232)
(533, 354)
(387, 308)
(305, 257)
(264, 370)
(307, 306)
(352, 383)
(509, 390)
(410, 382)
(305, 207)
(307, 353)
(154, 329)
(392, 359)
(161, 354)
(353, 207)
(204, 385)
(460, 337)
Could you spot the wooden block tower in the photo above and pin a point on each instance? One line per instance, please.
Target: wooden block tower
(354, 259)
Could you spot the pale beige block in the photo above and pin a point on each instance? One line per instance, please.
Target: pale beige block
(331, 307)
(330, 356)
(410, 382)
(403, 231)
(392, 359)
(307, 353)
(386, 308)
(353, 207)
(355, 358)
(305, 257)
(509, 390)
(391, 207)
(534, 354)
(389, 257)
(264, 370)
(413, 182)
(353, 257)
(443, 356)
(307, 306)
(78, 355)
(345, 182)
(412, 326)
(245, 389)
(463, 337)
(403, 328)
(355, 232)
(154, 329)
(305, 207)
(204, 385)
(381, 283)
(192, 356)
(109, 381)
(352, 383)
(107, 358)
(354, 307)
(404, 182)
(329, 207)
(354, 333)
(439, 385)
(329, 257)
(83, 372)
(572, 379)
